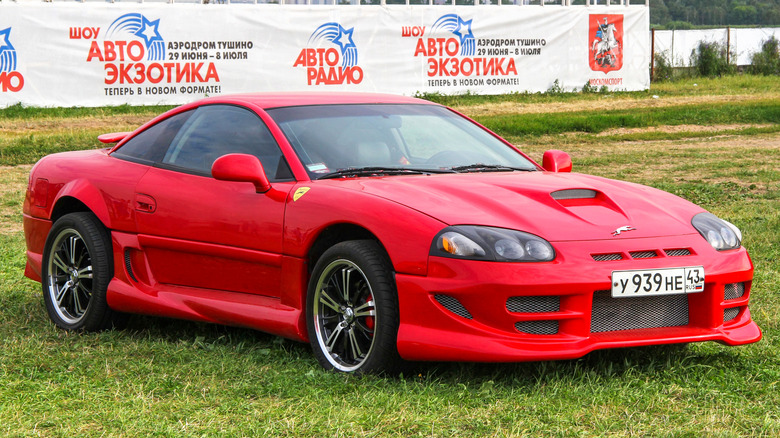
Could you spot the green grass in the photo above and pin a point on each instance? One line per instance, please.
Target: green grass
(177, 378)
(521, 126)
(20, 111)
(728, 85)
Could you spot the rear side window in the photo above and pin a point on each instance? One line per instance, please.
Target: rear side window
(216, 130)
(150, 145)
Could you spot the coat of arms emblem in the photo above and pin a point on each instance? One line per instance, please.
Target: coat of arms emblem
(606, 42)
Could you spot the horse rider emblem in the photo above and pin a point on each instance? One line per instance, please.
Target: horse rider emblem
(606, 46)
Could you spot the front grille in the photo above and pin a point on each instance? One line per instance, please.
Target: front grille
(615, 314)
(730, 314)
(453, 305)
(535, 304)
(607, 257)
(732, 291)
(680, 252)
(643, 254)
(537, 327)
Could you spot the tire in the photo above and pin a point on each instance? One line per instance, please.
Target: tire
(353, 329)
(77, 267)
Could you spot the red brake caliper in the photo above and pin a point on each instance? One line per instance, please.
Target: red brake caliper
(370, 319)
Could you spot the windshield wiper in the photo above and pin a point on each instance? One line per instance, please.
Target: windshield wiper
(380, 171)
(479, 167)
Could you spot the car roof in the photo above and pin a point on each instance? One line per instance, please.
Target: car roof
(276, 100)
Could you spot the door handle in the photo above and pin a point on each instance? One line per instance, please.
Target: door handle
(145, 203)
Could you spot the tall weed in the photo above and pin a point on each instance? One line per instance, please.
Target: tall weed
(710, 59)
(767, 61)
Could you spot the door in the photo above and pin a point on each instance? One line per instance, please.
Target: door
(200, 232)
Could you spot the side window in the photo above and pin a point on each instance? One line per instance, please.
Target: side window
(150, 145)
(216, 130)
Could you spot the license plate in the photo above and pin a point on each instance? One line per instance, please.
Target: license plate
(649, 282)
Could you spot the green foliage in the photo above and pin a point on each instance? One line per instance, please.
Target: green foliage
(767, 61)
(555, 88)
(678, 25)
(710, 59)
(663, 68)
(680, 14)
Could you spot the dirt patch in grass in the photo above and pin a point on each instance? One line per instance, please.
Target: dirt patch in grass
(606, 103)
(679, 128)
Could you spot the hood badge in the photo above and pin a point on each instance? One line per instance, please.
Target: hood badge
(622, 229)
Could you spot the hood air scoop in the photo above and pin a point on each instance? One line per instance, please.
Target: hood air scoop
(564, 195)
(590, 205)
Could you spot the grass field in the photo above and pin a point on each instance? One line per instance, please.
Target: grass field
(716, 143)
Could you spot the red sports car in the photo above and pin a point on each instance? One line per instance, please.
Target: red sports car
(379, 229)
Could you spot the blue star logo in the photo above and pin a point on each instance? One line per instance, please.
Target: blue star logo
(148, 31)
(5, 43)
(463, 26)
(344, 39)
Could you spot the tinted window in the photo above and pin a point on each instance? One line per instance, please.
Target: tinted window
(216, 130)
(150, 145)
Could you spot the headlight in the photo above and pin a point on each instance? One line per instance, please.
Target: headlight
(722, 235)
(492, 244)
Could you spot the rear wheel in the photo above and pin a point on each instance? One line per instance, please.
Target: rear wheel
(77, 267)
(352, 309)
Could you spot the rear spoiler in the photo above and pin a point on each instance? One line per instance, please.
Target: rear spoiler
(113, 137)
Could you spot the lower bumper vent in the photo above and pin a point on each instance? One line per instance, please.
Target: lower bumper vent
(732, 291)
(534, 304)
(537, 327)
(453, 305)
(615, 314)
(730, 314)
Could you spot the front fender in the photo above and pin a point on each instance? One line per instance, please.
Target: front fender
(83, 192)
(406, 234)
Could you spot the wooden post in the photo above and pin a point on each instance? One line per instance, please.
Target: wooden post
(728, 45)
(652, 54)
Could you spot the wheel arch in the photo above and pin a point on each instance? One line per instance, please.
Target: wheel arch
(334, 234)
(80, 196)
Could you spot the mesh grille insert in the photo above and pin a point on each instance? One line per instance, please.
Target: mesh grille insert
(607, 257)
(680, 252)
(548, 327)
(453, 305)
(535, 304)
(574, 194)
(643, 254)
(129, 265)
(730, 314)
(733, 291)
(614, 314)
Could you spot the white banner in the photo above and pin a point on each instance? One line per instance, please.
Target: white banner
(93, 55)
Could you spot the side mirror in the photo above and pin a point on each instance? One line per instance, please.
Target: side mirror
(556, 161)
(241, 168)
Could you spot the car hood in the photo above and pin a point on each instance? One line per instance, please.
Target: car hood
(556, 206)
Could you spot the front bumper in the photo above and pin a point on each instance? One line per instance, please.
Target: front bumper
(467, 310)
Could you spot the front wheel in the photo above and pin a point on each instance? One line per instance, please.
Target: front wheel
(77, 267)
(352, 309)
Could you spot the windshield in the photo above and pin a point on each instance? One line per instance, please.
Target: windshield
(331, 138)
